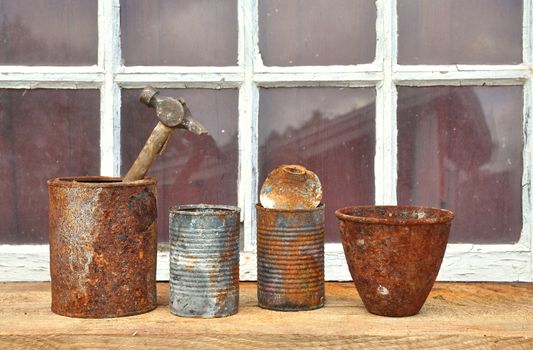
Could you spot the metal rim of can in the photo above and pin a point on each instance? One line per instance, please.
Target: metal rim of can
(439, 215)
(98, 182)
(203, 209)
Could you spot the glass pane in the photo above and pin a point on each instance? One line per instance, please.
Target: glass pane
(193, 169)
(48, 32)
(460, 31)
(43, 134)
(316, 32)
(179, 33)
(461, 148)
(330, 131)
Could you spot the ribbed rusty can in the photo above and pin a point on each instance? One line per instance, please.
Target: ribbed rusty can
(103, 246)
(290, 258)
(204, 260)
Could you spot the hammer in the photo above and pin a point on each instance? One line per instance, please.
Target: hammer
(172, 114)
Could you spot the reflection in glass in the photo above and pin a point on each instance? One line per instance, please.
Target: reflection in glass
(179, 33)
(193, 169)
(43, 134)
(461, 148)
(316, 32)
(460, 31)
(330, 131)
(48, 32)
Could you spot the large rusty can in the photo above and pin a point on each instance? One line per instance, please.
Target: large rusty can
(204, 260)
(394, 254)
(103, 246)
(290, 258)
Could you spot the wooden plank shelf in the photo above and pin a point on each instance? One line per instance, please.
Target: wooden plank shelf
(455, 316)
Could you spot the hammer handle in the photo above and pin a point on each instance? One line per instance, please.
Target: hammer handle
(150, 151)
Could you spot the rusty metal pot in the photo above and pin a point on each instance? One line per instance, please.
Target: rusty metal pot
(103, 246)
(394, 254)
(290, 258)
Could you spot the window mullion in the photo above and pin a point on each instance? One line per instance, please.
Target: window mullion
(109, 59)
(248, 57)
(385, 164)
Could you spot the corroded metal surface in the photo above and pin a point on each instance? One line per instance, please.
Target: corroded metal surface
(204, 260)
(103, 246)
(290, 258)
(291, 187)
(172, 113)
(394, 254)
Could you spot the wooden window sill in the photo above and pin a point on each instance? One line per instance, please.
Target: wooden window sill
(455, 316)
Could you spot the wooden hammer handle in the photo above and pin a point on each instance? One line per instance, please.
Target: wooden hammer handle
(153, 147)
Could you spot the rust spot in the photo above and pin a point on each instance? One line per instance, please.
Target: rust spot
(394, 270)
(103, 244)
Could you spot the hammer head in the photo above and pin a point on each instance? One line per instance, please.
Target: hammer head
(172, 112)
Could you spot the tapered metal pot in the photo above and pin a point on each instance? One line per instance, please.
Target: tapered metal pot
(103, 246)
(394, 254)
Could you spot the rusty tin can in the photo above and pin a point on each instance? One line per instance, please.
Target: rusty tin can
(204, 260)
(394, 254)
(290, 258)
(103, 246)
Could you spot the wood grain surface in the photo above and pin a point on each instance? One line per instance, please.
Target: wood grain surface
(455, 316)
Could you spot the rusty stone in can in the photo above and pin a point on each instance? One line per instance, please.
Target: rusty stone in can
(291, 187)
(290, 258)
(394, 254)
(204, 260)
(103, 246)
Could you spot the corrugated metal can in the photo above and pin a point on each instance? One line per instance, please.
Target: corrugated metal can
(290, 258)
(103, 246)
(204, 260)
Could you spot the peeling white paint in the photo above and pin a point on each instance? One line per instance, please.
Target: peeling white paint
(31, 263)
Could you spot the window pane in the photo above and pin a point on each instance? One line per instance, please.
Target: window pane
(43, 134)
(48, 32)
(179, 33)
(193, 169)
(460, 31)
(330, 131)
(316, 32)
(461, 148)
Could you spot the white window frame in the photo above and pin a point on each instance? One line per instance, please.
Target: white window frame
(462, 262)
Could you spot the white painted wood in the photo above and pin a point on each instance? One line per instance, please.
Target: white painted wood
(385, 158)
(526, 237)
(12, 78)
(248, 119)
(109, 57)
(318, 78)
(466, 68)
(180, 77)
(374, 67)
(180, 80)
(458, 78)
(31, 263)
(50, 70)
